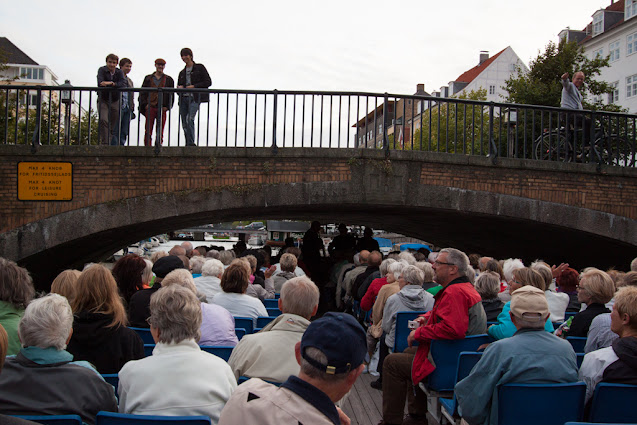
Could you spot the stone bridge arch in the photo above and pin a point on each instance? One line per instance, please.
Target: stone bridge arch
(518, 208)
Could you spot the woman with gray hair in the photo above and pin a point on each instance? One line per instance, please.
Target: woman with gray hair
(217, 324)
(209, 283)
(43, 379)
(488, 286)
(16, 291)
(178, 379)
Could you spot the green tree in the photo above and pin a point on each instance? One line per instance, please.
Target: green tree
(454, 127)
(542, 86)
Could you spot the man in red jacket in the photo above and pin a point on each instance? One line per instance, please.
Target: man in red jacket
(457, 312)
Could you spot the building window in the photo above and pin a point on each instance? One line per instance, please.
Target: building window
(613, 96)
(631, 86)
(32, 73)
(614, 51)
(598, 23)
(380, 128)
(598, 54)
(491, 89)
(513, 67)
(631, 44)
(631, 9)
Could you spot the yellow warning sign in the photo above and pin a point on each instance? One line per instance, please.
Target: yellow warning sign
(45, 181)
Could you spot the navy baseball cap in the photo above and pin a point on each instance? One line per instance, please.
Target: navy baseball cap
(165, 265)
(341, 338)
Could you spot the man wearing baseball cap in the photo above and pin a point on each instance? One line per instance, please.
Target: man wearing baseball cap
(531, 355)
(149, 101)
(139, 306)
(331, 355)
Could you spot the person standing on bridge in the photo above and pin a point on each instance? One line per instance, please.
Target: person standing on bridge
(572, 99)
(149, 102)
(127, 107)
(193, 76)
(111, 77)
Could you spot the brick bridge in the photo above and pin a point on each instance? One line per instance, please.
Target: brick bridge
(514, 208)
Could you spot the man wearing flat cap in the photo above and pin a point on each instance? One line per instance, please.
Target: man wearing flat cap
(531, 355)
(149, 101)
(331, 355)
(139, 306)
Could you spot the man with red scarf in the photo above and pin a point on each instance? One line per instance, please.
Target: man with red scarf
(457, 312)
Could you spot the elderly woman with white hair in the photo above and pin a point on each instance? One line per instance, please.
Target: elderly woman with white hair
(43, 379)
(209, 283)
(217, 324)
(178, 379)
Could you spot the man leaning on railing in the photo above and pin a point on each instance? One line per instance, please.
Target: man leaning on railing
(113, 77)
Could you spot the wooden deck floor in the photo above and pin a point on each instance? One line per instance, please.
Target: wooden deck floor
(364, 405)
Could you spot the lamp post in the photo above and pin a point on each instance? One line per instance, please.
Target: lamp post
(66, 97)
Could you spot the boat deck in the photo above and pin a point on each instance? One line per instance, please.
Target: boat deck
(364, 405)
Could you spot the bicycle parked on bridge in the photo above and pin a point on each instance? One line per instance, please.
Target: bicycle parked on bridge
(568, 145)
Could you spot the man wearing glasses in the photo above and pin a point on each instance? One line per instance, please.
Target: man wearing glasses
(149, 102)
(457, 312)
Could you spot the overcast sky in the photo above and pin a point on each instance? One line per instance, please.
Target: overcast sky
(371, 46)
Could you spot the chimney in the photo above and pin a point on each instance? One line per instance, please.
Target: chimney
(484, 55)
(420, 88)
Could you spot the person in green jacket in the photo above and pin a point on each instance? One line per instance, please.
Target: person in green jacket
(16, 291)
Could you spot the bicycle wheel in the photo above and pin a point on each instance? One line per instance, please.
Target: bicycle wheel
(617, 151)
(552, 146)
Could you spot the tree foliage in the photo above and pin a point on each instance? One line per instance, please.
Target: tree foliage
(542, 85)
(453, 127)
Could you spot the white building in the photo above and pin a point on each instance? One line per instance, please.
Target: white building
(490, 74)
(613, 33)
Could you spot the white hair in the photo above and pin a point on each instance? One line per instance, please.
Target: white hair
(633, 265)
(357, 259)
(396, 268)
(407, 257)
(196, 263)
(509, 266)
(413, 275)
(147, 274)
(384, 266)
(47, 322)
(212, 267)
(427, 269)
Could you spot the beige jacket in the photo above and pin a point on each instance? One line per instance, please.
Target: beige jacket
(379, 305)
(257, 402)
(269, 354)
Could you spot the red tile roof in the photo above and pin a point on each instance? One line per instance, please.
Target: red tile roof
(618, 6)
(471, 74)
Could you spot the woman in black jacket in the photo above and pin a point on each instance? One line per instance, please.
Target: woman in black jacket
(100, 335)
(595, 289)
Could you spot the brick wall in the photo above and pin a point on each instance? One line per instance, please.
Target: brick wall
(104, 174)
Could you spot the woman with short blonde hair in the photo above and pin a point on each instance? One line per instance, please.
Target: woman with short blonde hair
(64, 284)
(595, 289)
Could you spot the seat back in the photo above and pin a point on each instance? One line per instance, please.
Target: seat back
(148, 349)
(466, 361)
(578, 343)
(271, 303)
(240, 332)
(145, 335)
(273, 312)
(110, 418)
(263, 321)
(53, 419)
(402, 329)
(580, 359)
(244, 322)
(546, 404)
(112, 378)
(614, 403)
(219, 351)
(445, 353)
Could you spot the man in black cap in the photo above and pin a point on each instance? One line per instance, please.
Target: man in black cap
(331, 355)
(139, 306)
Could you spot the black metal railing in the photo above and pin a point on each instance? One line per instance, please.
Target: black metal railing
(41, 116)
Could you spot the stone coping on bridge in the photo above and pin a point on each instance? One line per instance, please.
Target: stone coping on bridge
(328, 153)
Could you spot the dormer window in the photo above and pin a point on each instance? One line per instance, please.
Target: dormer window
(598, 22)
(630, 9)
(31, 73)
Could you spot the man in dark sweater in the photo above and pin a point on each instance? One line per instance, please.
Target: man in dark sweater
(109, 77)
(193, 76)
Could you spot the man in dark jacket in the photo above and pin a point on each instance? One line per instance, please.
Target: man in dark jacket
(127, 107)
(193, 76)
(111, 77)
(149, 102)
